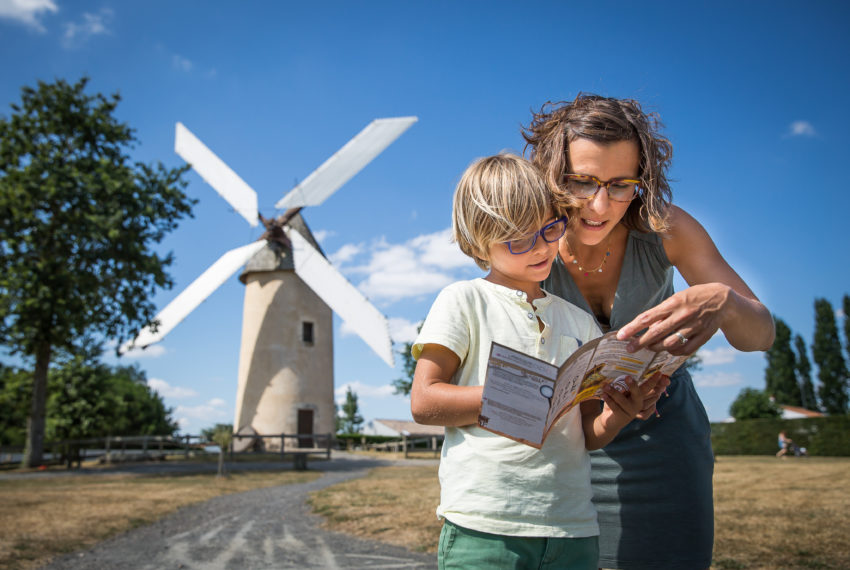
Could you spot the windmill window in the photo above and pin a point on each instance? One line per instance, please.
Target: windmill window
(307, 332)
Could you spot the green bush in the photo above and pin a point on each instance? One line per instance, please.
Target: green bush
(828, 436)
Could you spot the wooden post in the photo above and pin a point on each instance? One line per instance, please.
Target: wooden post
(404, 443)
(108, 456)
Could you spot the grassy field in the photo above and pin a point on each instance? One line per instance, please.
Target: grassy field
(770, 513)
(44, 517)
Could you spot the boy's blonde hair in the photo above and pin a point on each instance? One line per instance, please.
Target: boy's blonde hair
(498, 198)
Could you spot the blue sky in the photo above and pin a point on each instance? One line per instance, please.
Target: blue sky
(753, 96)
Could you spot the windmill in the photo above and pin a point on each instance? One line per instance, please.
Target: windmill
(291, 292)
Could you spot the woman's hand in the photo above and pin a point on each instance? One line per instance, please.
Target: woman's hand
(717, 299)
(683, 322)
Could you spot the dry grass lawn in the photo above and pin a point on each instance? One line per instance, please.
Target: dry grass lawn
(770, 513)
(41, 518)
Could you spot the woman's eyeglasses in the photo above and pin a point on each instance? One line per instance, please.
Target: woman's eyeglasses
(585, 186)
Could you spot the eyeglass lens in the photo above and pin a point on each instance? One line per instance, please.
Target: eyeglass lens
(550, 232)
(584, 186)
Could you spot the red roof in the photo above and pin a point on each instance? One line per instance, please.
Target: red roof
(802, 411)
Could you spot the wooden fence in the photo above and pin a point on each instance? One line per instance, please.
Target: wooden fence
(407, 444)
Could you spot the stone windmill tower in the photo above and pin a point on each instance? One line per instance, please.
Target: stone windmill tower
(291, 292)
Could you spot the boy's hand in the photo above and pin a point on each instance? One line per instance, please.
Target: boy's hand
(624, 400)
(652, 390)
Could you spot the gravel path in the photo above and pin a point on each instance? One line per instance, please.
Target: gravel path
(264, 528)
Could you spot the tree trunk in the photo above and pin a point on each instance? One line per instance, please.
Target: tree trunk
(34, 451)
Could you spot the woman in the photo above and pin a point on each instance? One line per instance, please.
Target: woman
(608, 162)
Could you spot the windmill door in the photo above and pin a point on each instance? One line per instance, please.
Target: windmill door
(305, 427)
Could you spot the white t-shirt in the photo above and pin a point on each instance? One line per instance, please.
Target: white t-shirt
(488, 482)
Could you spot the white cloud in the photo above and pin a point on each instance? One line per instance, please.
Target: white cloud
(722, 355)
(27, 12)
(212, 410)
(345, 253)
(322, 235)
(402, 330)
(437, 249)
(801, 129)
(420, 266)
(363, 391)
(166, 390)
(181, 63)
(91, 25)
(717, 379)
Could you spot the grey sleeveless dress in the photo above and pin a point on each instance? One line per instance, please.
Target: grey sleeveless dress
(652, 485)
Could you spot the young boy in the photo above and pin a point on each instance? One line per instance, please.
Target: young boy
(506, 504)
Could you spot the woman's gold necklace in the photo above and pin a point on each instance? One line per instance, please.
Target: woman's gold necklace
(601, 265)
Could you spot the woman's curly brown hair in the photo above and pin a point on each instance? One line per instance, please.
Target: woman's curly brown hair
(604, 120)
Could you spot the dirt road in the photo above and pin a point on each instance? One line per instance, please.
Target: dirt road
(263, 529)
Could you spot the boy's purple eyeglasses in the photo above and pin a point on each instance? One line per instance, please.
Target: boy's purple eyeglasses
(550, 232)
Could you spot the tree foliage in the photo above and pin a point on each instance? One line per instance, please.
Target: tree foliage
(78, 221)
(832, 370)
(15, 396)
(845, 308)
(403, 385)
(752, 404)
(209, 433)
(780, 375)
(351, 419)
(87, 400)
(804, 375)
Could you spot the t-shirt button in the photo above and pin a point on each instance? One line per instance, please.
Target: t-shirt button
(530, 315)
(542, 341)
(519, 293)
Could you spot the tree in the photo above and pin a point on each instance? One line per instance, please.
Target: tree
(77, 222)
(15, 395)
(209, 433)
(751, 404)
(351, 418)
(832, 371)
(89, 399)
(222, 436)
(403, 385)
(804, 375)
(845, 308)
(780, 375)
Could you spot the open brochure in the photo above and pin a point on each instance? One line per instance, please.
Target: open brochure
(524, 396)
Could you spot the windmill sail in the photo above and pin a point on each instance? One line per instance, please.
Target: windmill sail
(216, 173)
(341, 296)
(346, 162)
(194, 295)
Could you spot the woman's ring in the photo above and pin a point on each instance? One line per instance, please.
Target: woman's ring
(682, 338)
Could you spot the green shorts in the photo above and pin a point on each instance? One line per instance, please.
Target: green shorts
(464, 549)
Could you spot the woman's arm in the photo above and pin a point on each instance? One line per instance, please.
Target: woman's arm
(716, 299)
(434, 400)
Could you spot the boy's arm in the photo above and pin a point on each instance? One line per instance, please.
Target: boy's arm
(602, 424)
(434, 400)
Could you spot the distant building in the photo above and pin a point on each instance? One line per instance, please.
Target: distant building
(398, 428)
(796, 413)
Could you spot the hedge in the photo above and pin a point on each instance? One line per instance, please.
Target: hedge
(826, 436)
